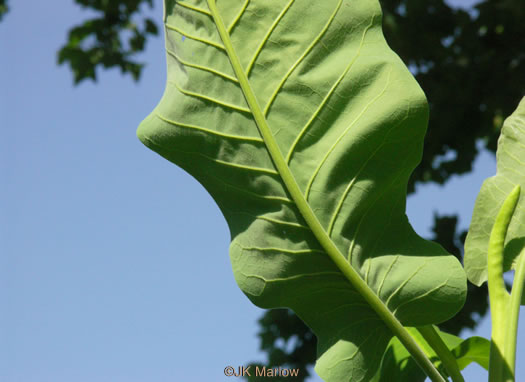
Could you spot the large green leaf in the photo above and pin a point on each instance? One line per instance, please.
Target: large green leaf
(510, 172)
(398, 366)
(304, 127)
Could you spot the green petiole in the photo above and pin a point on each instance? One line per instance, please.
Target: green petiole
(503, 348)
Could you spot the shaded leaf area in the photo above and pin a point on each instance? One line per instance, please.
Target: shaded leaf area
(494, 191)
(111, 39)
(3, 8)
(398, 366)
(288, 342)
(307, 190)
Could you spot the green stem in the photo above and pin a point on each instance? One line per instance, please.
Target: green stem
(430, 335)
(293, 188)
(498, 295)
(514, 313)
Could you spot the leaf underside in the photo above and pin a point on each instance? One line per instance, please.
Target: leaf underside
(349, 120)
(510, 172)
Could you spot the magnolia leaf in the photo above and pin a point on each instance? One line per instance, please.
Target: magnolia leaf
(304, 127)
(398, 366)
(510, 172)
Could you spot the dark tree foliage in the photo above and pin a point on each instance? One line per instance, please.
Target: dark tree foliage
(3, 8)
(472, 67)
(110, 40)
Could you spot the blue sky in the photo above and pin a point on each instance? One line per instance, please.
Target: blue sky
(113, 262)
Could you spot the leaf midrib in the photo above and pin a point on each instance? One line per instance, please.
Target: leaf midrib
(274, 151)
(306, 211)
(285, 172)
